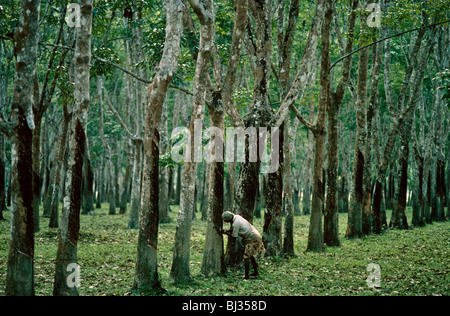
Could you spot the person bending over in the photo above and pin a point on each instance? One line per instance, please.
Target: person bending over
(251, 238)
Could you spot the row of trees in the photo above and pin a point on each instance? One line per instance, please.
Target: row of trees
(88, 111)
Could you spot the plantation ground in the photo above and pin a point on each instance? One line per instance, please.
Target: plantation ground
(412, 262)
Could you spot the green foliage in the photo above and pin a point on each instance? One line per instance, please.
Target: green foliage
(103, 69)
(445, 84)
(8, 18)
(243, 98)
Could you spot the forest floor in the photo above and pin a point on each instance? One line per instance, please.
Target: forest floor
(412, 262)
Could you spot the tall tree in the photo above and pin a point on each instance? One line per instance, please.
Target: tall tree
(354, 225)
(331, 225)
(52, 200)
(315, 237)
(20, 265)
(108, 153)
(146, 275)
(181, 258)
(2, 176)
(221, 97)
(70, 221)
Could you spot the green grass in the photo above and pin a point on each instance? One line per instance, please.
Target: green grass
(413, 262)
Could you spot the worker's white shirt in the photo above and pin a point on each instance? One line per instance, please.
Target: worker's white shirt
(242, 228)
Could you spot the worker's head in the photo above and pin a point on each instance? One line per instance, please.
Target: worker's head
(227, 217)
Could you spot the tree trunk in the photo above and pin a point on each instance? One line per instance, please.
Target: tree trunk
(70, 221)
(20, 266)
(205, 193)
(213, 254)
(135, 203)
(272, 230)
(288, 241)
(306, 196)
(108, 153)
(164, 216)
(52, 201)
(331, 218)
(180, 270)
(354, 226)
(127, 179)
(2, 176)
(315, 236)
(418, 201)
(398, 218)
(88, 183)
(35, 152)
(146, 275)
(262, 14)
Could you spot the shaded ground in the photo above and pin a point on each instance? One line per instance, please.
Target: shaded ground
(412, 262)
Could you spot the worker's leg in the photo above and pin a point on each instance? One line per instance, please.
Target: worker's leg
(255, 266)
(247, 268)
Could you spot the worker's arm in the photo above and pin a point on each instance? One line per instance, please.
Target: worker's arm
(224, 232)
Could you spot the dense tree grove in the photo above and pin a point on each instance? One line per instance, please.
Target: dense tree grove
(272, 109)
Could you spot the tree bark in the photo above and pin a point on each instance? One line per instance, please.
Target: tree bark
(88, 183)
(354, 226)
(306, 196)
(146, 275)
(398, 218)
(164, 209)
(2, 176)
(315, 236)
(127, 179)
(331, 218)
(213, 254)
(288, 241)
(108, 153)
(52, 201)
(20, 265)
(70, 221)
(135, 203)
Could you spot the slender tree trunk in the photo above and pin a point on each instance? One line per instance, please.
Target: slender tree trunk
(2, 176)
(306, 199)
(418, 201)
(70, 221)
(88, 183)
(331, 218)
(354, 226)
(135, 203)
(35, 152)
(398, 218)
(205, 193)
(180, 270)
(146, 275)
(315, 236)
(272, 230)
(52, 202)
(127, 179)
(20, 265)
(108, 153)
(164, 216)
(288, 241)
(213, 254)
